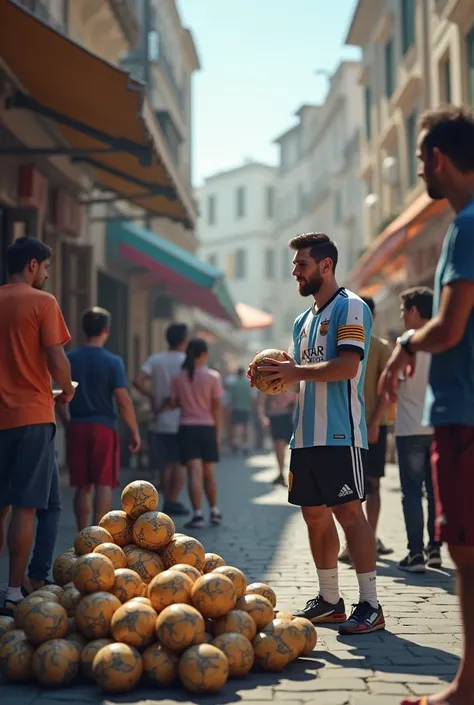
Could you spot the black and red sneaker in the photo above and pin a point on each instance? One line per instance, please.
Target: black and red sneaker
(319, 611)
(363, 620)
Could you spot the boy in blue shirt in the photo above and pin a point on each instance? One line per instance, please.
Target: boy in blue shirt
(93, 450)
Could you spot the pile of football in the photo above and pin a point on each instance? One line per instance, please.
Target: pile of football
(135, 599)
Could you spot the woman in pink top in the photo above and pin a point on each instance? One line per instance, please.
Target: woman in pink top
(276, 412)
(197, 391)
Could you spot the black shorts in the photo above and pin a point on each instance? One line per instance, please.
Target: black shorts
(163, 449)
(329, 475)
(198, 443)
(281, 427)
(239, 418)
(377, 454)
(27, 465)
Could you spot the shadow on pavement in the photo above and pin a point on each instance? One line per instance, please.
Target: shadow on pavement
(444, 578)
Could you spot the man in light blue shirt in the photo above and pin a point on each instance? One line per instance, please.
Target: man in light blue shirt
(329, 444)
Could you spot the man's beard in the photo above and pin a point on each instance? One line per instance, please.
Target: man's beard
(310, 287)
(39, 285)
(435, 193)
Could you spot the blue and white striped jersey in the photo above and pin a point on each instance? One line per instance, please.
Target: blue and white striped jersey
(332, 413)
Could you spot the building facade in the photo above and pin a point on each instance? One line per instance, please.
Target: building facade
(416, 55)
(318, 188)
(90, 164)
(236, 232)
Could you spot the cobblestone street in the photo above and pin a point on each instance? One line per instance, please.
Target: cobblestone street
(266, 538)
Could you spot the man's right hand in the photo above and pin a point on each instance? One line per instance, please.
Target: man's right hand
(135, 443)
(250, 374)
(66, 396)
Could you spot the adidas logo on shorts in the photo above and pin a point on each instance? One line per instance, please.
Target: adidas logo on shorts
(346, 490)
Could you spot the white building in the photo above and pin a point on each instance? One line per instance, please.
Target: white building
(235, 229)
(318, 186)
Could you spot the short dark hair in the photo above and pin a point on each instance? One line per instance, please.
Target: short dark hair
(450, 128)
(320, 246)
(95, 321)
(176, 334)
(420, 297)
(370, 303)
(23, 251)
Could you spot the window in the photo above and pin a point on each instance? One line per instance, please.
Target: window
(445, 80)
(239, 269)
(470, 65)
(211, 210)
(301, 200)
(270, 202)
(286, 263)
(368, 112)
(411, 146)
(337, 207)
(408, 24)
(212, 259)
(389, 72)
(240, 202)
(269, 264)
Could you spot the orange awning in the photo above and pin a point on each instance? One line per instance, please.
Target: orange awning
(99, 108)
(389, 243)
(253, 318)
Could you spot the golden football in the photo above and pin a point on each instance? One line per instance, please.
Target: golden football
(260, 379)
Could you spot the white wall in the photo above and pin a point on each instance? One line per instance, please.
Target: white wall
(225, 233)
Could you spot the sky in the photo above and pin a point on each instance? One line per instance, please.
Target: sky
(258, 59)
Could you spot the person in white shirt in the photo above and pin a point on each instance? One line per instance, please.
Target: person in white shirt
(414, 441)
(160, 369)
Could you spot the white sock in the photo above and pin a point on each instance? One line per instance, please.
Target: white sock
(198, 514)
(14, 594)
(329, 585)
(368, 588)
(215, 510)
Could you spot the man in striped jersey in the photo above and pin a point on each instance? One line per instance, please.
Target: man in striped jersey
(329, 443)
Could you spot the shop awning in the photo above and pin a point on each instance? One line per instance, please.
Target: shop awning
(393, 239)
(190, 280)
(100, 110)
(253, 318)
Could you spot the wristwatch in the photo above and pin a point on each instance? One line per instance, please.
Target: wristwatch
(404, 341)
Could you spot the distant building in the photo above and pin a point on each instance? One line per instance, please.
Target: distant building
(318, 186)
(236, 233)
(415, 55)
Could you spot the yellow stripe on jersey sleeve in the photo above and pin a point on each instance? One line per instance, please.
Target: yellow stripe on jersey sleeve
(351, 332)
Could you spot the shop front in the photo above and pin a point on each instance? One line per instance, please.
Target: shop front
(404, 255)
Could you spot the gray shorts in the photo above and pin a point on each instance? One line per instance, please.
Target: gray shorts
(27, 465)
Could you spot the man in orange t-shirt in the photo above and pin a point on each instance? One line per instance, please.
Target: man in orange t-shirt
(33, 333)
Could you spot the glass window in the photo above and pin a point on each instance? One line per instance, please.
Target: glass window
(270, 202)
(368, 112)
(239, 269)
(408, 24)
(389, 69)
(269, 264)
(240, 202)
(445, 80)
(411, 146)
(286, 265)
(470, 65)
(211, 210)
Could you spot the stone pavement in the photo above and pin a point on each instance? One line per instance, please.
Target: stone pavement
(266, 538)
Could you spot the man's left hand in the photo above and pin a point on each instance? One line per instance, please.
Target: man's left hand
(280, 372)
